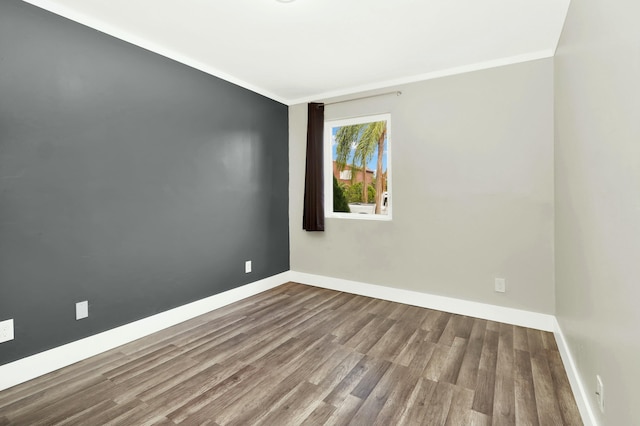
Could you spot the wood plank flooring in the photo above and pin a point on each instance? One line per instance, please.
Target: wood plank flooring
(304, 355)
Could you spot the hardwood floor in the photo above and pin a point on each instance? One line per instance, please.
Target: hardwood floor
(304, 355)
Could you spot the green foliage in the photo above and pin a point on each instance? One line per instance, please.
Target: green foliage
(340, 203)
(371, 194)
(354, 193)
(345, 138)
(363, 139)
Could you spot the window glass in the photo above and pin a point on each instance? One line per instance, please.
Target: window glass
(358, 168)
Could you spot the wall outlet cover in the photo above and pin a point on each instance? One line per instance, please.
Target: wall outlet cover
(82, 310)
(600, 393)
(500, 285)
(247, 266)
(6, 330)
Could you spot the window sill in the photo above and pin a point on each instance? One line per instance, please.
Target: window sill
(355, 216)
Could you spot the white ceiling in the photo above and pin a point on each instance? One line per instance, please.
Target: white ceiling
(316, 49)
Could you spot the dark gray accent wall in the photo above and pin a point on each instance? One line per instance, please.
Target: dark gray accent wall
(126, 179)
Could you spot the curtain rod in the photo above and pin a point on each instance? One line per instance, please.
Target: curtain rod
(396, 92)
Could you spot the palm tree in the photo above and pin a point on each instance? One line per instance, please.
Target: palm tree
(364, 139)
(376, 133)
(363, 153)
(348, 138)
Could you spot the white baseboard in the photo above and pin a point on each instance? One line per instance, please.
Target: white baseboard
(448, 304)
(45, 362)
(579, 391)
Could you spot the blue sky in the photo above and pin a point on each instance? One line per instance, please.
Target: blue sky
(371, 165)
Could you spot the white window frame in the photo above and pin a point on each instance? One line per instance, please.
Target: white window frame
(328, 167)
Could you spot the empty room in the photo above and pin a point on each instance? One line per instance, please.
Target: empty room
(305, 212)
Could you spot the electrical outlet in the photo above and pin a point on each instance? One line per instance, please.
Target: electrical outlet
(82, 310)
(600, 393)
(500, 285)
(247, 266)
(6, 331)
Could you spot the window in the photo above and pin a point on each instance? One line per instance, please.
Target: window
(358, 168)
(345, 174)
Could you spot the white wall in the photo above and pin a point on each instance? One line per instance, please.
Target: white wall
(597, 71)
(472, 191)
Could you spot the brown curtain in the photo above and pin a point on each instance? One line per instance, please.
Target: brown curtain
(313, 216)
